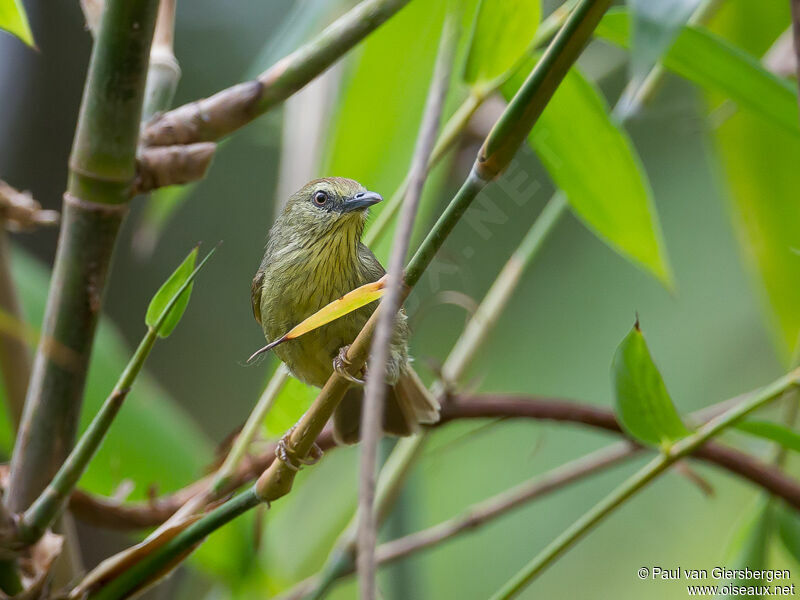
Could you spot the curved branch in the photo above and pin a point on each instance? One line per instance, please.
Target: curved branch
(105, 512)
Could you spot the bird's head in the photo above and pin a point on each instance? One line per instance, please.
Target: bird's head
(331, 204)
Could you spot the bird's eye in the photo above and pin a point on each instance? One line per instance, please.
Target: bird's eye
(320, 198)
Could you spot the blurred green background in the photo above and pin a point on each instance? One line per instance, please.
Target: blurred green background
(712, 166)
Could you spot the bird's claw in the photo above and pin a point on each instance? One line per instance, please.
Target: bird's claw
(341, 366)
(290, 458)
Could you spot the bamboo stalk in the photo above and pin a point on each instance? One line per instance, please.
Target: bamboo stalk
(102, 168)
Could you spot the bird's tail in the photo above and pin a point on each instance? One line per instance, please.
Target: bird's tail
(408, 404)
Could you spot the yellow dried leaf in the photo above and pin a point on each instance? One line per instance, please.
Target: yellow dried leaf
(351, 301)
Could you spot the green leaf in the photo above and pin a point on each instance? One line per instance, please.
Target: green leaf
(789, 530)
(748, 547)
(165, 297)
(717, 65)
(594, 162)
(152, 425)
(788, 438)
(501, 33)
(14, 20)
(643, 405)
(759, 158)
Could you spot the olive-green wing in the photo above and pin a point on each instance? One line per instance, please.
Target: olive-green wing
(371, 266)
(255, 294)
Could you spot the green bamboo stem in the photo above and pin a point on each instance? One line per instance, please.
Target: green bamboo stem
(142, 573)
(49, 504)
(44, 510)
(102, 169)
(639, 480)
(528, 103)
(224, 112)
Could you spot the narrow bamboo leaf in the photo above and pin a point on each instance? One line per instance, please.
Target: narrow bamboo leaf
(717, 65)
(501, 33)
(643, 405)
(748, 547)
(788, 521)
(788, 438)
(759, 159)
(351, 301)
(165, 295)
(594, 162)
(14, 20)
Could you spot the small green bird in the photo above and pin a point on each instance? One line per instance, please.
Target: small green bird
(314, 255)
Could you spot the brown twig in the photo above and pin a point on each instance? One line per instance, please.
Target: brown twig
(375, 391)
(224, 112)
(108, 513)
(20, 212)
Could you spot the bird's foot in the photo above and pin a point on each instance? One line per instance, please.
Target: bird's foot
(341, 366)
(290, 458)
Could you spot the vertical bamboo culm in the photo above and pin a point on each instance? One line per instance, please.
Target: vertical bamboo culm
(101, 172)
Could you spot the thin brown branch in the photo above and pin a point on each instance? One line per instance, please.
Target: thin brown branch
(20, 212)
(161, 166)
(108, 513)
(224, 112)
(498, 505)
(375, 392)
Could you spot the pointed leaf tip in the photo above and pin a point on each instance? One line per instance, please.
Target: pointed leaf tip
(14, 20)
(643, 405)
(170, 301)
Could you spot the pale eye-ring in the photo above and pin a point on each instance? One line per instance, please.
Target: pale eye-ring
(320, 198)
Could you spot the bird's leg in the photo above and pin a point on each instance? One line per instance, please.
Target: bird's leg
(289, 457)
(341, 366)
